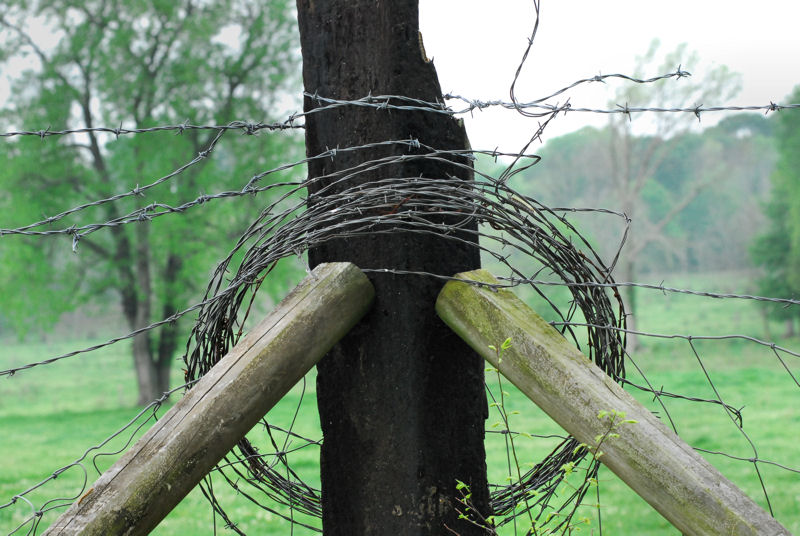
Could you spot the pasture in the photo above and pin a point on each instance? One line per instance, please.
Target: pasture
(51, 415)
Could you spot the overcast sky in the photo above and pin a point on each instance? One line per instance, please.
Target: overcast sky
(477, 44)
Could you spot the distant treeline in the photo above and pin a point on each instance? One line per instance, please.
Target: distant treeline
(701, 199)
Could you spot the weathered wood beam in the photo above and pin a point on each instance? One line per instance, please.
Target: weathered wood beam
(650, 458)
(143, 486)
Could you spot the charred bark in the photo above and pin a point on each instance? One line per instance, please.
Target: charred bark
(401, 398)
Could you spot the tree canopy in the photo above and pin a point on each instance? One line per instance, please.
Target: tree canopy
(712, 230)
(777, 250)
(136, 65)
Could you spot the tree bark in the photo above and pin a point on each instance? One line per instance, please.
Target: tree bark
(790, 332)
(153, 360)
(629, 298)
(145, 372)
(152, 369)
(401, 398)
(168, 333)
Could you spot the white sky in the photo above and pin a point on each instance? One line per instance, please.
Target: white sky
(476, 46)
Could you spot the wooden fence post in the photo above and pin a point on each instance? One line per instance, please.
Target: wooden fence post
(143, 486)
(650, 458)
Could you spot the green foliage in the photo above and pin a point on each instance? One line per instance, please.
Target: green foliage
(74, 405)
(692, 195)
(732, 161)
(138, 65)
(77, 403)
(532, 517)
(777, 250)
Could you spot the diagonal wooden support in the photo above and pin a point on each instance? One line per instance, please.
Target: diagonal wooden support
(650, 458)
(143, 486)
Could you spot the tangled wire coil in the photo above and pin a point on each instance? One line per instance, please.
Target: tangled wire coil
(514, 231)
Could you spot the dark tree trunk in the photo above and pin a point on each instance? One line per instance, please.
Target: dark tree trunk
(152, 369)
(132, 306)
(790, 331)
(152, 362)
(629, 297)
(168, 333)
(401, 398)
(145, 372)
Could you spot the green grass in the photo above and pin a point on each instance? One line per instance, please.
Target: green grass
(50, 415)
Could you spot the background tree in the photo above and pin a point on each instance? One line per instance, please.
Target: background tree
(777, 250)
(635, 159)
(136, 64)
(711, 232)
(715, 228)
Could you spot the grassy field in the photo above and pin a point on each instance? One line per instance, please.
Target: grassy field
(49, 416)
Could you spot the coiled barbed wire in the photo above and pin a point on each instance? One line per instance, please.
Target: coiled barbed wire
(518, 233)
(538, 247)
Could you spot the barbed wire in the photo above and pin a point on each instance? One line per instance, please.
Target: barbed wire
(688, 338)
(247, 127)
(624, 109)
(403, 103)
(524, 237)
(169, 320)
(512, 282)
(155, 210)
(133, 426)
(512, 224)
